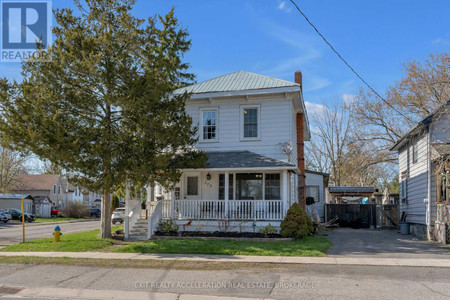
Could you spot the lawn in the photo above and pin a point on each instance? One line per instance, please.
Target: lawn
(74, 242)
(309, 246)
(56, 219)
(89, 241)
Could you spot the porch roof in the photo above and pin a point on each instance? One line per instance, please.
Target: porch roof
(245, 160)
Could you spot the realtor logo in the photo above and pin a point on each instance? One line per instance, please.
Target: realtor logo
(23, 23)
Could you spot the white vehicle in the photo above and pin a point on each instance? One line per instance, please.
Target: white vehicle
(118, 215)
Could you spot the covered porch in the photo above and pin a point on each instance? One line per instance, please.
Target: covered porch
(241, 190)
(236, 185)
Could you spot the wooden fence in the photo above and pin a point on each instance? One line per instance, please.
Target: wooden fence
(362, 215)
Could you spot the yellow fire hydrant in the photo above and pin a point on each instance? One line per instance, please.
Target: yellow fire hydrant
(57, 233)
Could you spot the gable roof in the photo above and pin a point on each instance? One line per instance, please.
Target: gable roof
(237, 81)
(41, 182)
(425, 122)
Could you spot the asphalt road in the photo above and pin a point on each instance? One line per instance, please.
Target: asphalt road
(304, 282)
(11, 233)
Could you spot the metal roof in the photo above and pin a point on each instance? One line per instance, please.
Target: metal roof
(237, 81)
(15, 196)
(243, 160)
(351, 189)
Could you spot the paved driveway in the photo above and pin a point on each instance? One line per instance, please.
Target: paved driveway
(382, 243)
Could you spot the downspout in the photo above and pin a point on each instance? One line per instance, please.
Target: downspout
(429, 235)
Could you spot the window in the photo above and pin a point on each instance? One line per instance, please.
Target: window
(208, 118)
(222, 186)
(272, 187)
(54, 189)
(249, 186)
(415, 150)
(250, 123)
(192, 185)
(313, 191)
(59, 189)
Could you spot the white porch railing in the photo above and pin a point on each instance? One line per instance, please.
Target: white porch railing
(252, 210)
(132, 214)
(154, 216)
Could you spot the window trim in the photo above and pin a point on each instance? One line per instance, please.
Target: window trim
(258, 125)
(201, 111)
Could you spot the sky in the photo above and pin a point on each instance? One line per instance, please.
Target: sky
(270, 37)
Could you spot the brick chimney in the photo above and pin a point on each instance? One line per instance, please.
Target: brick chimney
(300, 148)
(298, 78)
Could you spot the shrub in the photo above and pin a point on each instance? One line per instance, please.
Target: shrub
(296, 223)
(310, 200)
(114, 202)
(268, 230)
(75, 210)
(168, 227)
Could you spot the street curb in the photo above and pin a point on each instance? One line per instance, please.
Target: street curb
(341, 260)
(49, 223)
(68, 293)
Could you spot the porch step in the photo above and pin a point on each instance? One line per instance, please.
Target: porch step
(138, 237)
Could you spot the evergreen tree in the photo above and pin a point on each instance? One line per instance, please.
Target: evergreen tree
(104, 107)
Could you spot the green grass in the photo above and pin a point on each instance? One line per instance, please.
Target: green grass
(74, 242)
(56, 219)
(89, 241)
(309, 246)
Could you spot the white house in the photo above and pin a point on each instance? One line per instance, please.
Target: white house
(424, 176)
(252, 129)
(316, 183)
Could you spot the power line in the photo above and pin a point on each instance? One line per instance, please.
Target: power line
(345, 62)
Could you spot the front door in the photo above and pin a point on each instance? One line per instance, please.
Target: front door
(192, 188)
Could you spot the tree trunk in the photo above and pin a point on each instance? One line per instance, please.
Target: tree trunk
(105, 220)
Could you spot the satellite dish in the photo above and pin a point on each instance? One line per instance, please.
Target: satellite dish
(287, 147)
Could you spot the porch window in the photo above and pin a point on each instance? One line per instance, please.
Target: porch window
(209, 125)
(192, 186)
(222, 186)
(250, 119)
(272, 187)
(249, 186)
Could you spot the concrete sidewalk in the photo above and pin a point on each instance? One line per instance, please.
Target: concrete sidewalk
(362, 261)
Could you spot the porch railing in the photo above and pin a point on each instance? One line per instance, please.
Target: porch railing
(256, 210)
(132, 214)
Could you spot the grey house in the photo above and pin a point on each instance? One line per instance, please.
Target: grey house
(424, 172)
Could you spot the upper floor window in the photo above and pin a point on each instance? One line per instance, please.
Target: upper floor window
(250, 119)
(415, 151)
(208, 119)
(54, 189)
(59, 189)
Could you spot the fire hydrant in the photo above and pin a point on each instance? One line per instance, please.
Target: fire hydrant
(57, 233)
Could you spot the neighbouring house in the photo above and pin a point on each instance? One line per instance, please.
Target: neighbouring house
(424, 175)
(15, 201)
(253, 130)
(316, 183)
(50, 186)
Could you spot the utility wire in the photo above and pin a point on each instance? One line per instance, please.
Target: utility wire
(345, 62)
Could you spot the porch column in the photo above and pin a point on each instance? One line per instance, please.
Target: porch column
(227, 194)
(172, 202)
(285, 193)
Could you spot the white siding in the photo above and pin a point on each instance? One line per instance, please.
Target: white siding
(276, 126)
(312, 179)
(417, 182)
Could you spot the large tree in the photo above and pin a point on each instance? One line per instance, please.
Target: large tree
(424, 87)
(103, 107)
